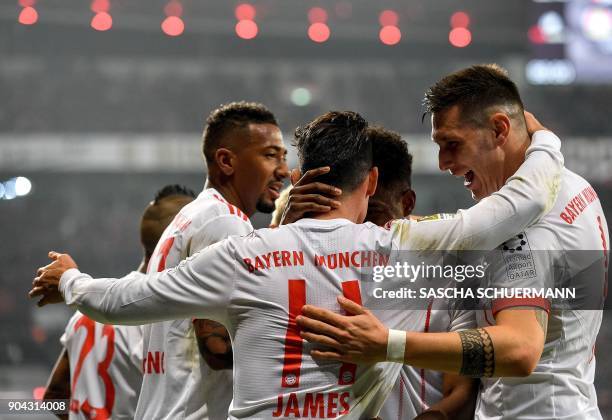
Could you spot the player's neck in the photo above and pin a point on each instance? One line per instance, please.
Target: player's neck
(351, 209)
(142, 268)
(515, 156)
(228, 193)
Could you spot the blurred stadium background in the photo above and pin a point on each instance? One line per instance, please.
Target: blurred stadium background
(103, 102)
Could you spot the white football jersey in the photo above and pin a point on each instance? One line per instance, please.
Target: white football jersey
(105, 368)
(416, 390)
(178, 384)
(256, 286)
(562, 384)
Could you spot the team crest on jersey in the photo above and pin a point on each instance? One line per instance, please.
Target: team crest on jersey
(347, 377)
(518, 258)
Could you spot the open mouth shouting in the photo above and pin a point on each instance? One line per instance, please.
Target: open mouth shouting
(468, 179)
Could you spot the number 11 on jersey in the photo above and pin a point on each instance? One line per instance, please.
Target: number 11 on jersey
(292, 361)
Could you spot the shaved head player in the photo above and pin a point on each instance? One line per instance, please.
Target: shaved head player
(255, 286)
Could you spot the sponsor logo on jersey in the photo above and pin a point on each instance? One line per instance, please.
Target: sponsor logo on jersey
(518, 258)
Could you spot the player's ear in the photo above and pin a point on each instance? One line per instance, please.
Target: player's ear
(225, 160)
(408, 202)
(372, 181)
(501, 126)
(295, 176)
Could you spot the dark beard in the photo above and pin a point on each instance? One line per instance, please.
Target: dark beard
(264, 206)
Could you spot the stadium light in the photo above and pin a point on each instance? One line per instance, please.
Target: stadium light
(460, 20)
(245, 11)
(173, 8)
(460, 37)
(173, 26)
(597, 24)
(551, 25)
(388, 18)
(102, 21)
(246, 29)
(15, 187)
(9, 189)
(535, 35)
(301, 96)
(317, 15)
(99, 6)
(28, 16)
(390, 35)
(319, 32)
(23, 186)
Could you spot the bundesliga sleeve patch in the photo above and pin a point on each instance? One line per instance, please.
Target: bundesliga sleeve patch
(518, 258)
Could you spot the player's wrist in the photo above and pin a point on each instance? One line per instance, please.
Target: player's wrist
(396, 346)
(66, 277)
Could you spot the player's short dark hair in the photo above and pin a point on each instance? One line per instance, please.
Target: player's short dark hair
(337, 139)
(391, 156)
(474, 89)
(174, 189)
(230, 117)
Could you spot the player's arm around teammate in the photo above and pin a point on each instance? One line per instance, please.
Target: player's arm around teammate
(512, 347)
(517, 204)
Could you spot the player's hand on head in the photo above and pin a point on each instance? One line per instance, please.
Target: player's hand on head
(532, 123)
(46, 282)
(309, 196)
(357, 338)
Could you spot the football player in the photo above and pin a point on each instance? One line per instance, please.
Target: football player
(256, 286)
(100, 366)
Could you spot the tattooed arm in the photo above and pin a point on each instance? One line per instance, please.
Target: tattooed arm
(512, 347)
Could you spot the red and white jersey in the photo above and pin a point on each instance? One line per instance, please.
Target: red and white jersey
(416, 390)
(562, 384)
(105, 368)
(256, 286)
(177, 383)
